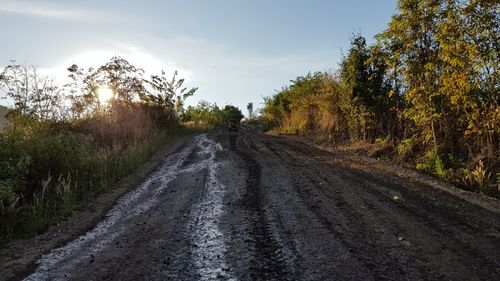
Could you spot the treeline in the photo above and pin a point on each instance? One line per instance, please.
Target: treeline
(66, 144)
(211, 115)
(428, 88)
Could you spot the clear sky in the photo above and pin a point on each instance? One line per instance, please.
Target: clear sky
(235, 51)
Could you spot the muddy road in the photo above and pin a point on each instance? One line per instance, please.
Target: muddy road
(246, 206)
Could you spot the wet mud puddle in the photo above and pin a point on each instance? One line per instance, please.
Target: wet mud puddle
(208, 243)
(208, 246)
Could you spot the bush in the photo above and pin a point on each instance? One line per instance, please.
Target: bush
(60, 154)
(50, 169)
(405, 148)
(434, 165)
(13, 164)
(8, 198)
(13, 159)
(478, 179)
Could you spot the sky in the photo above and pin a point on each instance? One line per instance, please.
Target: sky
(235, 51)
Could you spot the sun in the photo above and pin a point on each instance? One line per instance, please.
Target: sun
(104, 94)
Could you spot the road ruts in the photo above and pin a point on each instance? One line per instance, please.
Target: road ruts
(269, 261)
(249, 206)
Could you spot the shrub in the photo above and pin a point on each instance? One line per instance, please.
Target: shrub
(8, 198)
(60, 154)
(13, 164)
(56, 156)
(433, 165)
(13, 159)
(405, 148)
(479, 179)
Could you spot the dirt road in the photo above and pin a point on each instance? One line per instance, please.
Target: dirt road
(245, 206)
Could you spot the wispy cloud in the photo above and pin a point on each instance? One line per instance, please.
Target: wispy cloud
(41, 9)
(151, 64)
(223, 73)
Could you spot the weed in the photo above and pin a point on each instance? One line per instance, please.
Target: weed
(433, 165)
(405, 148)
(478, 178)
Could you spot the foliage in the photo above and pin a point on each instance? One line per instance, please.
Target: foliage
(478, 178)
(405, 148)
(251, 113)
(168, 93)
(208, 114)
(33, 94)
(433, 165)
(429, 83)
(63, 146)
(230, 112)
(382, 142)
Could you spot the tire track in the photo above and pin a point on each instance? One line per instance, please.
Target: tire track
(269, 262)
(370, 202)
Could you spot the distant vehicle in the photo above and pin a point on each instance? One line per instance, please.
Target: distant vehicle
(232, 126)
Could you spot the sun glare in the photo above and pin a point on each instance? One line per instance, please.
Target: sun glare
(105, 94)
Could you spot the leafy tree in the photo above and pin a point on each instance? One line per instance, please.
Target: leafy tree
(431, 80)
(366, 98)
(232, 113)
(118, 74)
(354, 71)
(168, 93)
(415, 28)
(250, 111)
(206, 113)
(480, 32)
(33, 94)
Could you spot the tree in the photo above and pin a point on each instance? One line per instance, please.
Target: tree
(122, 77)
(431, 80)
(416, 28)
(480, 29)
(169, 92)
(250, 111)
(206, 114)
(33, 94)
(366, 98)
(125, 80)
(232, 113)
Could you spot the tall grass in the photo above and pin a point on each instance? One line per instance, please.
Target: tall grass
(49, 170)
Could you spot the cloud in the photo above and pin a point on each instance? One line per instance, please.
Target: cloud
(223, 72)
(43, 10)
(151, 64)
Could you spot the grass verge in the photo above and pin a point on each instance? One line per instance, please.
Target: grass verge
(93, 172)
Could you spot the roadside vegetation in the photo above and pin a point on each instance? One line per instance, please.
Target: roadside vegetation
(64, 145)
(209, 116)
(426, 93)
